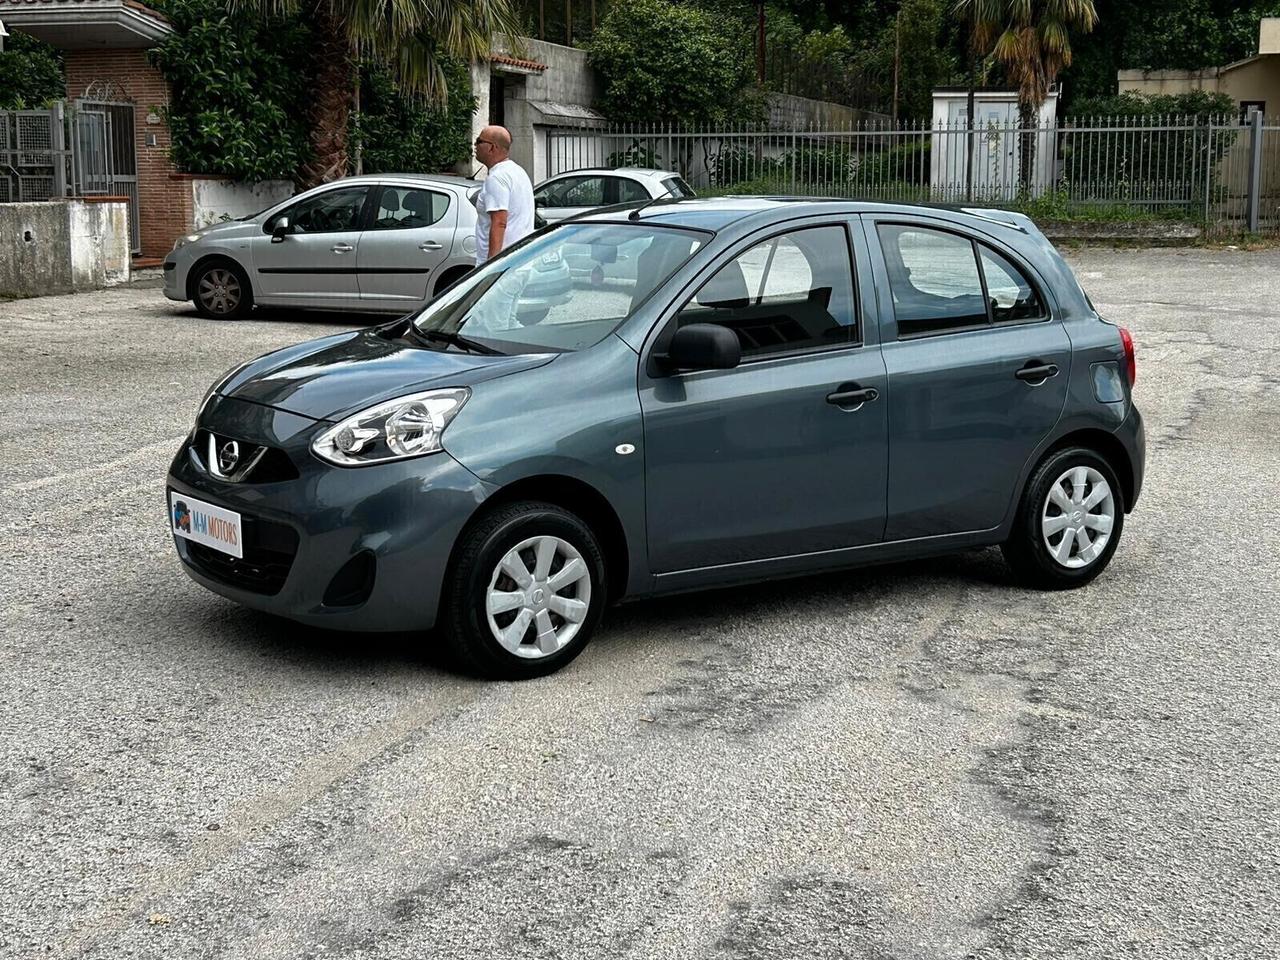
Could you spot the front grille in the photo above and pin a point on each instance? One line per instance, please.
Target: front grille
(269, 550)
(265, 464)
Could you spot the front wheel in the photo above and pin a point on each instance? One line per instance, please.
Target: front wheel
(221, 291)
(525, 592)
(1069, 521)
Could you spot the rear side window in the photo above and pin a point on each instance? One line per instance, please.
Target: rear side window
(402, 208)
(790, 293)
(942, 282)
(628, 191)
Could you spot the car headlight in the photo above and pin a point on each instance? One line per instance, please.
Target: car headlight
(183, 241)
(395, 430)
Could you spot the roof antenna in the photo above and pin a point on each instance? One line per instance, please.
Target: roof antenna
(635, 214)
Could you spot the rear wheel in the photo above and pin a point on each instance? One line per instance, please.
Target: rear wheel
(525, 592)
(1069, 522)
(220, 290)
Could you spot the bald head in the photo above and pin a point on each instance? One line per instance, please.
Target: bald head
(493, 145)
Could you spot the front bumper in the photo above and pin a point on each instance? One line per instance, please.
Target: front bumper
(405, 515)
(175, 277)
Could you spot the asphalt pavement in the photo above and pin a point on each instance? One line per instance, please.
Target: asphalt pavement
(914, 761)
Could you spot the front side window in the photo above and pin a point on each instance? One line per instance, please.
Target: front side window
(564, 290)
(330, 212)
(789, 293)
(403, 208)
(942, 281)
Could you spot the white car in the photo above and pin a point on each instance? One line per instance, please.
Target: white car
(578, 191)
(385, 243)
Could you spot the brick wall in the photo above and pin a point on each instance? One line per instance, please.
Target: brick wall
(164, 203)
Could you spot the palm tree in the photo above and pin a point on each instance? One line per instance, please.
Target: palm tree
(1031, 39)
(412, 37)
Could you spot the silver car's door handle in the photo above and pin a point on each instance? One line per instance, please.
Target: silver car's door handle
(430, 245)
(342, 248)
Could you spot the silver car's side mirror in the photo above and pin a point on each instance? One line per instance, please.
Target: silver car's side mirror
(280, 230)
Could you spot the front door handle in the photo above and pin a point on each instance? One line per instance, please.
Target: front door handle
(430, 245)
(1037, 373)
(851, 396)
(342, 248)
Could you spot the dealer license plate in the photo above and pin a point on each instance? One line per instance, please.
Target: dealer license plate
(206, 524)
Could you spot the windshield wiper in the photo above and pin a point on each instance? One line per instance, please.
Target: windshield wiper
(457, 340)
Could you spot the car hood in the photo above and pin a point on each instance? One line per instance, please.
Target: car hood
(334, 377)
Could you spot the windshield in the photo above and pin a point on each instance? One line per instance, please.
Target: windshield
(564, 290)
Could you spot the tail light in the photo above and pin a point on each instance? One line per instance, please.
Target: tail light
(1130, 357)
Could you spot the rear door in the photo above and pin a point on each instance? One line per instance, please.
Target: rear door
(409, 236)
(314, 265)
(978, 365)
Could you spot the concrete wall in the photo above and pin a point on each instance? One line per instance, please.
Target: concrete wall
(1269, 35)
(1250, 80)
(788, 111)
(214, 200)
(63, 246)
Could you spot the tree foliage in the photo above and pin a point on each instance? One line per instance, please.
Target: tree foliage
(30, 74)
(239, 94)
(400, 133)
(661, 61)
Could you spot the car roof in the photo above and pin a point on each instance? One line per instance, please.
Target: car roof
(636, 171)
(715, 213)
(438, 178)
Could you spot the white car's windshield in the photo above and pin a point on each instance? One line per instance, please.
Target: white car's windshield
(565, 290)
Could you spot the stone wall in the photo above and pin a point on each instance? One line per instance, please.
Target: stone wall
(63, 246)
(214, 200)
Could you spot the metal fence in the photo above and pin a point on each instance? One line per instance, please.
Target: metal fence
(83, 150)
(1220, 171)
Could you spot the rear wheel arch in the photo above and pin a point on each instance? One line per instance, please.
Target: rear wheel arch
(577, 497)
(449, 277)
(1107, 447)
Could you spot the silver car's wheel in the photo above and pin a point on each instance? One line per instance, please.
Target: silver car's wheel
(219, 291)
(538, 597)
(1077, 517)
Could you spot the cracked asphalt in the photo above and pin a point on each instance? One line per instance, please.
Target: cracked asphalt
(913, 761)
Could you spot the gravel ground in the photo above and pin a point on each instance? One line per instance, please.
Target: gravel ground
(912, 761)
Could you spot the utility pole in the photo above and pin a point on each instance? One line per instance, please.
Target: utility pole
(760, 43)
(897, 60)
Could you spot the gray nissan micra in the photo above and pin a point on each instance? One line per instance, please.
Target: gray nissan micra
(744, 389)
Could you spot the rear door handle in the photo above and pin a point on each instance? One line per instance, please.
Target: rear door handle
(1037, 373)
(852, 399)
(430, 245)
(342, 248)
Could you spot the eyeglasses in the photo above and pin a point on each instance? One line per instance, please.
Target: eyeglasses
(480, 140)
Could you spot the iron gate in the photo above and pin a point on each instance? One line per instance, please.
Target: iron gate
(106, 161)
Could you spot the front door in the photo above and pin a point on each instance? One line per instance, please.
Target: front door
(314, 264)
(787, 453)
(409, 236)
(978, 372)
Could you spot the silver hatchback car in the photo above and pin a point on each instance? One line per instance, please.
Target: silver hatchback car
(381, 244)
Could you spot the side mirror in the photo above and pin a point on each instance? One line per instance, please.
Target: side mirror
(280, 230)
(702, 346)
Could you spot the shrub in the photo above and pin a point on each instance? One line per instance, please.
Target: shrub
(400, 133)
(30, 74)
(240, 91)
(662, 62)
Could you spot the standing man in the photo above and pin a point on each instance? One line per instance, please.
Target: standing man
(504, 208)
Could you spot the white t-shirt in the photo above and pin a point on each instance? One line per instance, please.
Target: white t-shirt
(506, 188)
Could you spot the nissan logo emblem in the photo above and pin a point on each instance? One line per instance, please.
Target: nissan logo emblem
(228, 456)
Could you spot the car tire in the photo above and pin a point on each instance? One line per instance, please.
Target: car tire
(1069, 521)
(220, 290)
(503, 623)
